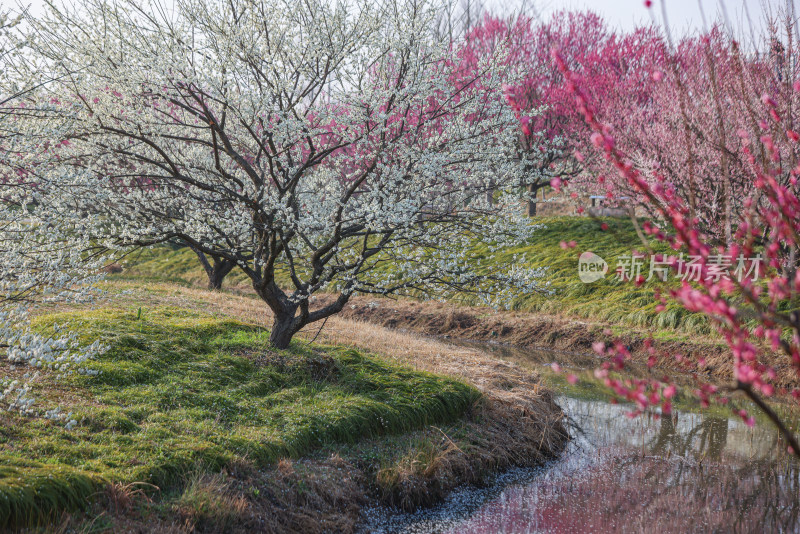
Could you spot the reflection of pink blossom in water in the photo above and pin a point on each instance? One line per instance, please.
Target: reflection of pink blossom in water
(515, 512)
(631, 493)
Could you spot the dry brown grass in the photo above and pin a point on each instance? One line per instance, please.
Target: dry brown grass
(313, 495)
(210, 503)
(303, 496)
(122, 498)
(502, 434)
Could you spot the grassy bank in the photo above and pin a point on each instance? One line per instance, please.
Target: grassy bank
(610, 300)
(180, 391)
(193, 424)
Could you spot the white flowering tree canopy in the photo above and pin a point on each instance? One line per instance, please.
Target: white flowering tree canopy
(43, 257)
(319, 145)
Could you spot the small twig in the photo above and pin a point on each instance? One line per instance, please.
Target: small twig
(453, 443)
(787, 434)
(319, 331)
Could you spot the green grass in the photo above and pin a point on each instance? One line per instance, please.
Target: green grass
(608, 300)
(171, 264)
(181, 391)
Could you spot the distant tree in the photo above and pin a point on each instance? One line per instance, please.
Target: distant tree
(317, 145)
(535, 90)
(216, 269)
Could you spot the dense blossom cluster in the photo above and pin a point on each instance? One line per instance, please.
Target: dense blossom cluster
(534, 89)
(654, 98)
(42, 254)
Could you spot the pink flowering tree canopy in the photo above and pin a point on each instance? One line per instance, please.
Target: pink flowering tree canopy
(709, 149)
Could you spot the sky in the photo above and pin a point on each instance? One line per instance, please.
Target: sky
(682, 15)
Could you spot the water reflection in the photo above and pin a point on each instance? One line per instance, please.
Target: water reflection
(685, 472)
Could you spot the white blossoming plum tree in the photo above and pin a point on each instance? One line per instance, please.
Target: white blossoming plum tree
(42, 256)
(316, 145)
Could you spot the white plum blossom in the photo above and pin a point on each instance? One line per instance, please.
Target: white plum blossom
(43, 256)
(317, 145)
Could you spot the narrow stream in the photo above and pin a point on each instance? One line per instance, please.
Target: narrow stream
(697, 470)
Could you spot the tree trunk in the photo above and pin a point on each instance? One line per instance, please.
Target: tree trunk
(283, 328)
(728, 207)
(531, 209)
(218, 271)
(215, 278)
(290, 316)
